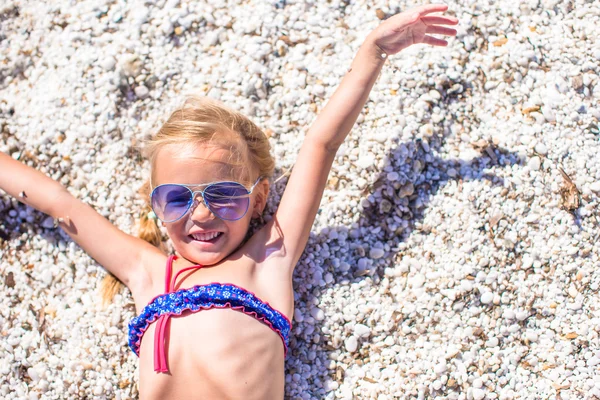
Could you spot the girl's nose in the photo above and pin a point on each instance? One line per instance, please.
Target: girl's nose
(199, 210)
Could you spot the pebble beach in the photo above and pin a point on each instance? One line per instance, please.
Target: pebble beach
(454, 255)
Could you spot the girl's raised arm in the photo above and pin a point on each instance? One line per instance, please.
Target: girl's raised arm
(304, 190)
(118, 252)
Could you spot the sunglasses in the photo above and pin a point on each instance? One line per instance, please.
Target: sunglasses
(226, 200)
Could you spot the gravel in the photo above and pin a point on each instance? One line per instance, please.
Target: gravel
(444, 262)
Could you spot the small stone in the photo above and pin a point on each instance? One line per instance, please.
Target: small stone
(108, 64)
(531, 336)
(141, 91)
(526, 262)
(534, 163)
(478, 394)
(48, 223)
(487, 298)
(366, 161)
(331, 385)
(389, 341)
(298, 316)
(317, 314)
(362, 331)
(393, 176)
(440, 368)
(376, 253)
(451, 352)
(33, 374)
(521, 315)
(549, 114)
(406, 190)
(492, 342)
(426, 130)
(417, 281)
(385, 206)
(541, 148)
(167, 27)
(351, 344)
(131, 65)
(595, 187)
(363, 263)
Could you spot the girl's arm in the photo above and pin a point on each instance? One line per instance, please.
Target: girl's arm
(118, 252)
(295, 215)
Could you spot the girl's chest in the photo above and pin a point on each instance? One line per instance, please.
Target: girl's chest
(238, 277)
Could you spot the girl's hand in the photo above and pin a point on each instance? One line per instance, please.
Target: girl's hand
(412, 27)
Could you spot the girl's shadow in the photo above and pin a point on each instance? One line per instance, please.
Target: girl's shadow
(393, 206)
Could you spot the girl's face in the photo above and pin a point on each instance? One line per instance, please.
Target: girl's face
(200, 236)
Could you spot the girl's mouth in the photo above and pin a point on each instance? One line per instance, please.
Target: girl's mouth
(209, 237)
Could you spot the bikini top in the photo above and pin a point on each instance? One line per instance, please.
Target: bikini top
(198, 298)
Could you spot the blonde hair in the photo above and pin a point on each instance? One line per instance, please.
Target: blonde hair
(199, 121)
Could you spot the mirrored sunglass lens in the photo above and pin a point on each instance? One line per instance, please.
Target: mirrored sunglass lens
(170, 202)
(227, 200)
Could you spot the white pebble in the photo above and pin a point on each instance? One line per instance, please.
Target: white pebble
(108, 63)
(521, 315)
(541, 148)
(141, 91)
(362, 331)
(478, 394)
(440, 368)
(534, 163)
(531, 336)
(487, 297)
(351, 344)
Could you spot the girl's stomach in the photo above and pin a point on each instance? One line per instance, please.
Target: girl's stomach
(214, 354)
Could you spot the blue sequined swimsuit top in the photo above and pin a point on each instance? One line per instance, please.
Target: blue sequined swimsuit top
(198, 298)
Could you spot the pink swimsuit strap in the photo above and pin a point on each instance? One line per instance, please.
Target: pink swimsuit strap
(160, 350)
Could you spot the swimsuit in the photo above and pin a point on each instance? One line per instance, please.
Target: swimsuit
(198, 298)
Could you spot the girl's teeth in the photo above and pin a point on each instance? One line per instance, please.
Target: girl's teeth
(205, 236)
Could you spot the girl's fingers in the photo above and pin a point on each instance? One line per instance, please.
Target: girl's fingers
(439, 20)
(434, 41)
(429, 8)
(440, 30)
(419, 13)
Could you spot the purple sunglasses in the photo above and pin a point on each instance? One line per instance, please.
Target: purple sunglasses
(227, 200)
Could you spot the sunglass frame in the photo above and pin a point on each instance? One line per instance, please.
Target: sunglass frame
(206, 203)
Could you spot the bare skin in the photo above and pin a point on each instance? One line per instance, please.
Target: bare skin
(245, 363)
(222, 353)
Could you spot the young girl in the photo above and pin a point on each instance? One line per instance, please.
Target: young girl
(209, 178)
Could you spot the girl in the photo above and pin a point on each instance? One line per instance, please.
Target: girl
(209, 177)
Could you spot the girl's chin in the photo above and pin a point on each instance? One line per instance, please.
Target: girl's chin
(203, 252)
(203, 257)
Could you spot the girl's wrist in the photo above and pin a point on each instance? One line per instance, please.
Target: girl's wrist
(372, 51)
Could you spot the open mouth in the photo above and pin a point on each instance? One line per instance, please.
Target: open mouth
(209, 237)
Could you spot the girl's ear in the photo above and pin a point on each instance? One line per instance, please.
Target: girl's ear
(262, 193)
